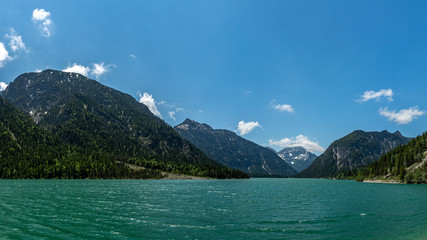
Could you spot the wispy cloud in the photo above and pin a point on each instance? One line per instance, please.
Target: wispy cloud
(383, 93)
(99, 69)
(404, 116)
(4, 55)
(132, 56)
(284, 108)
(15, 41)
(15, 44)
(172, 115)
(148, 100)
(42, 18)
(244, 128)
(3, 86)
(298, 141)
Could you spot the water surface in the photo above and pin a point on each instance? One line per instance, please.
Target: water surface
(211, 209)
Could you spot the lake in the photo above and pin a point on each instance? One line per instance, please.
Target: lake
(211, 209)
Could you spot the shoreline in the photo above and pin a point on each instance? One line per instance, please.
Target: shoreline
(174, 176)
(169, 175)
(384, 181)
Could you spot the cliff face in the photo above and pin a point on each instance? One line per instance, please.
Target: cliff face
(358, 149)
(406, 163)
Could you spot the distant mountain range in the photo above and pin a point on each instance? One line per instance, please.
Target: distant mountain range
(297, 157)
(83, 114)
(63, 125)
(357, 149)
(234, 151)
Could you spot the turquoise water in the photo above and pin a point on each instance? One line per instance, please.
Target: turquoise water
(211, 209)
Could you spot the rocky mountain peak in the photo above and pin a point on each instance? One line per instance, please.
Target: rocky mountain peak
(191, 124)
(298, 157)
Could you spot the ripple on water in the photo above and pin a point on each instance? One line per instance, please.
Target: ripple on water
(230, 209)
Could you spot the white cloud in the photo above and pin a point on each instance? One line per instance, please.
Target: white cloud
(368, 95)
(97, 69)
(132, 56)
(4, 55)
(404, 116)
(3, 86)
(284, 107)
(298, 141)
(42, 17)
(40, 14)
(77, 69)
(16, 42)
(100, 69)
(38, 70)
(149, 101)
(172, 115)
(245, 128)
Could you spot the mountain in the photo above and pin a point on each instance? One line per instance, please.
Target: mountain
(234, 151)
(28, 151)
(84, 113)
(297, 157)
(357, 149)
(406, 163)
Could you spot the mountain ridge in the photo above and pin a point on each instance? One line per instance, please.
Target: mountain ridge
(404, 164)
(28, 151)
(84, 113)
(355, 150)
(234, 151)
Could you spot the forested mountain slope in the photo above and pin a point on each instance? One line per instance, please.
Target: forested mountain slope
(406, 163)
(27, 151)
(84, 113)
(357, 149)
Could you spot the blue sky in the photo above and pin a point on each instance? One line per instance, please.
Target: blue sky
(280, 73)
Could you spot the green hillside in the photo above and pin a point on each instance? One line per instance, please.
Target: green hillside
(27, 151)
(85, 115)
(407, 163)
